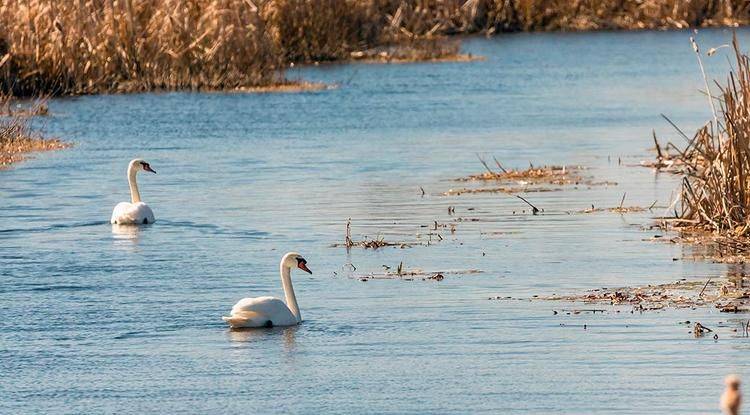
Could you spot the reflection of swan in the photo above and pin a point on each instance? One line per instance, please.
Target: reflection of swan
(125, 231)
(249, 335)
(136, 212)
(270, 311)
(126, 237)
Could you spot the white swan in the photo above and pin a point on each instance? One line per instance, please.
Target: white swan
(270, 311)
(136, 212)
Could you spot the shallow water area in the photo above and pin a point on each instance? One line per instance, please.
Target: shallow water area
(103, 319)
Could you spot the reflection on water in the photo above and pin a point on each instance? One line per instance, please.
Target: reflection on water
(126, 236)
(129, 232)
(244, 337)
(738, 274)
(246, 178)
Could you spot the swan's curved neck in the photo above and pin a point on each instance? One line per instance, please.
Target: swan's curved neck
(291, 300)
(134, 195)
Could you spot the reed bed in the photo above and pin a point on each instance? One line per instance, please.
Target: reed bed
(559, 175)
(88, 46)
(17, 133)
(715, 194)
(92, 46)
(468, 16)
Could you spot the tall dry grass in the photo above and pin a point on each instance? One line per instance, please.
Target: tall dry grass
(322, 30)
(84, 46)
(614, 14)
(87, 46)
(18, 135)
(716, 163)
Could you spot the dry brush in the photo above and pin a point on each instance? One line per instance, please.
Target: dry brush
(90, 46)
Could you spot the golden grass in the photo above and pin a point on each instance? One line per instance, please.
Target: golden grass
(17, 136)
(715, 195)
(88, 46)
(557, 175)
(91, 46)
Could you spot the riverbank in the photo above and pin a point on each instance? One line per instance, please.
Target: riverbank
(147, 45)
(712, 207)
(18, 137)
(243, 179)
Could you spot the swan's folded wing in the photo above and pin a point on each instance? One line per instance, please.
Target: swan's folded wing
(132, 213)
(123, 213)
(269, 306)
(261, 312)
(246, 319)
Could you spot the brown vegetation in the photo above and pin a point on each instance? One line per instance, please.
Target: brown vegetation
(402, 273)
(90, 46)
(378, 242)
(708, 246)
(133, 45)
(557, 175)
(531, 180)
(621, 209)
(715, 197)
(17, 136)
(727, 295)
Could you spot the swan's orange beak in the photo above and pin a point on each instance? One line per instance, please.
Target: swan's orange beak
(148, 168)
(302, 264)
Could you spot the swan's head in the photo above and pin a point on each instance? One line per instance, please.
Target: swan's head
(295, 260)
(140, 164)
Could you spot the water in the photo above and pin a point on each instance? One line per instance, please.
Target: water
(96, 319)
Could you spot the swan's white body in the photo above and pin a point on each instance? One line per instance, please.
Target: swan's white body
(271, 311)
(132, 214)
(135, 212)
(261, 312)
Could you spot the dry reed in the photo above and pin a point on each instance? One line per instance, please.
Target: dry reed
(17, 134)
(716, 163)
(90, 46)
(558, 175)
(376, 243)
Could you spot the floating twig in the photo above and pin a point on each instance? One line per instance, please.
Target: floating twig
(534, 210)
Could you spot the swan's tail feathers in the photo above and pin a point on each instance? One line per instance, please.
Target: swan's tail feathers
(246, 319)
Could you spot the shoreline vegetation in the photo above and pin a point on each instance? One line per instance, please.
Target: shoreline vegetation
(726, 295)
(18, 136)
(711, 212)
(714, 204)
(111, 46)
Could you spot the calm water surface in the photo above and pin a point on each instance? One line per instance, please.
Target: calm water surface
(96, 319)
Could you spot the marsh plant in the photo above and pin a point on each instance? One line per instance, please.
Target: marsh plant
(91, 46)
(716, 162)
(18, 134)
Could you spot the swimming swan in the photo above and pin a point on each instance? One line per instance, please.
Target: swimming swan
(270, 311)
(137, 212)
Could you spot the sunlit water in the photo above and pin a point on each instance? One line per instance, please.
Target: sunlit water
(95, 319)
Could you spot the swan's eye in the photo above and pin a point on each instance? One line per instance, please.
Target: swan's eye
(147, 167)
(302, 264)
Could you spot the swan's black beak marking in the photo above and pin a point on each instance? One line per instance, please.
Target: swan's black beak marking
(147, 167)
(302, 264)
